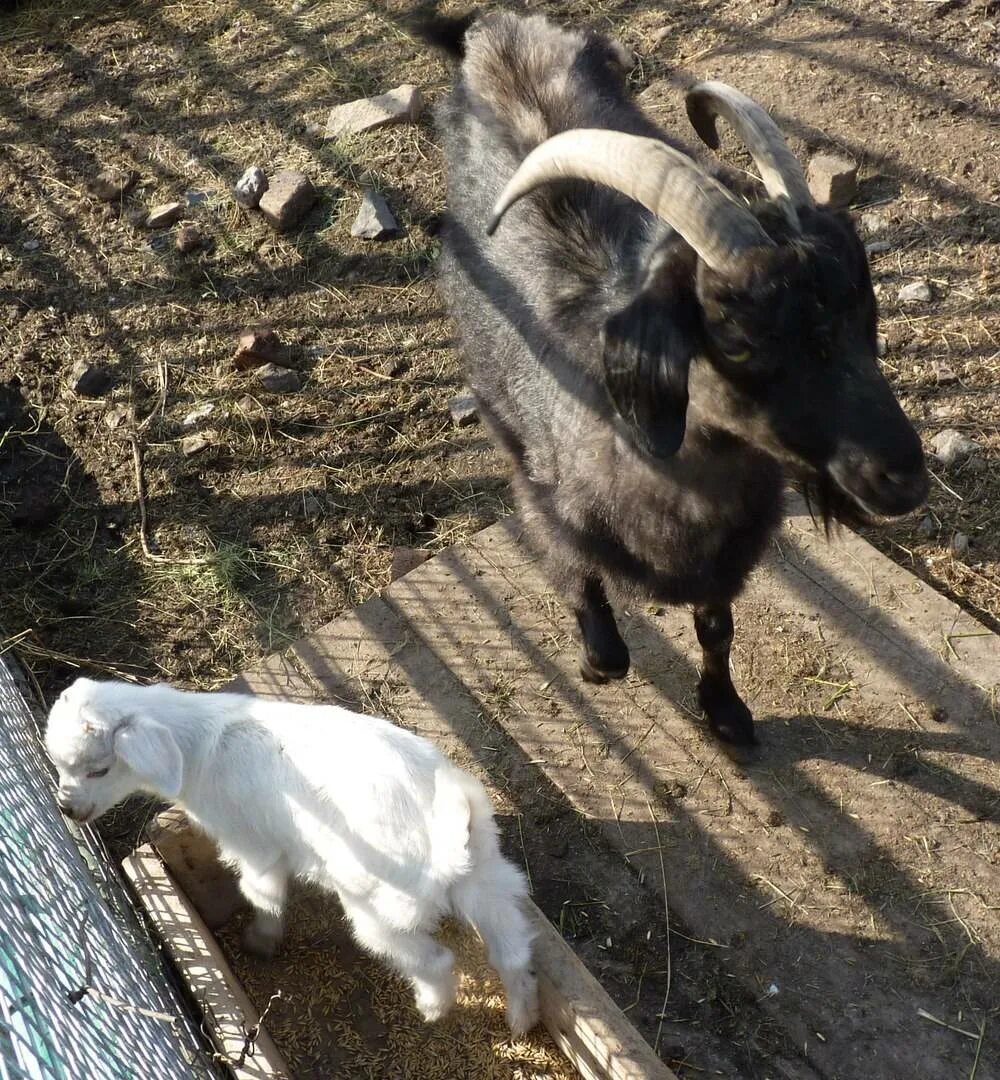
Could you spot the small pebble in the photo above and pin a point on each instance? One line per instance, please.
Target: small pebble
(279, 380)
(199, 412)
(959, 545)
(951, 447)
(194, 444)
(250, 187)
(163, 215)
(916, 291)
(464, 409)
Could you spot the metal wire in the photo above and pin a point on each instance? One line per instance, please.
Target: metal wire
(83, 995)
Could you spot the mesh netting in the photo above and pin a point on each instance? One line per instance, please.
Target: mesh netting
(83, 995)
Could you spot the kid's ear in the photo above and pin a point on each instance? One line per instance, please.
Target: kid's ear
(151, 752)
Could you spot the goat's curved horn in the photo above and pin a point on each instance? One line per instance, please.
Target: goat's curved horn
(780, 170)
(664, 180)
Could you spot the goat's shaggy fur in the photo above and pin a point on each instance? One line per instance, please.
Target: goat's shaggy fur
(650, 404)
(350, 802)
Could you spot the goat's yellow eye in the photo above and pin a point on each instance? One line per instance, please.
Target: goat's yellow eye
(739, 357)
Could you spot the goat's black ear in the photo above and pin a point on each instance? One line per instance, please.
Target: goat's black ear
(647, 351)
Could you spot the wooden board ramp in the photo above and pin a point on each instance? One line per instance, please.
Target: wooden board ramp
(848, 878)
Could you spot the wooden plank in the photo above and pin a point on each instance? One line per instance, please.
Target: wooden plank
(830, 867)
(587, 1026)
(585, 1023)
(228, 1012)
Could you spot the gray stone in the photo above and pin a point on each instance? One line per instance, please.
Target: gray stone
(915, 292)
(398, 106)
(118, 415)
(256, 347)
(89, 380)
(195, 198)
(112, 184)
(279, 380)
(959, 545)
(406, 559)
(287, 200)
(195, 444)
(31, 245)
(832, 179)
(881, 345)
(943, 375)
(250, 187)
(952, 447)
(878, 247)
(873, 223)
(927, 526)
(375, 220)
(163, 215)
(464, 409)
(198, 413)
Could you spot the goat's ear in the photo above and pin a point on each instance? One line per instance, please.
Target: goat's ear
(647, 351)
(151, 752)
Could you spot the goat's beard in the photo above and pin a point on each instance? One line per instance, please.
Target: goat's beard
(829, 503)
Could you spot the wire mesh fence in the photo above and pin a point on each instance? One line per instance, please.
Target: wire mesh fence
(83, 994)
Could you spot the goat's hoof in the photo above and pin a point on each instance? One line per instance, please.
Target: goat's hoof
(732, 724)
(590, 672)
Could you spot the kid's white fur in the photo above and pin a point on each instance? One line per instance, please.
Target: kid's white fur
(350, 802)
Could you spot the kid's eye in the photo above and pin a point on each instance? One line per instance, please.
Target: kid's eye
(97, 773)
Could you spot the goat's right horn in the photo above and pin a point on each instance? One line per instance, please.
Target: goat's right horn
(780, 170)
(664, 180)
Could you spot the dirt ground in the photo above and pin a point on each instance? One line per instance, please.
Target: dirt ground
(290, 516)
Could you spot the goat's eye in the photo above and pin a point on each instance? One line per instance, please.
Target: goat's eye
(96, 774)
(739, 357)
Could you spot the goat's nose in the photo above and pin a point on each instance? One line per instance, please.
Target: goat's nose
(64, 807)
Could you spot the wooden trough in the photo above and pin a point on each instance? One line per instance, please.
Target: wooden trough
(847, 880)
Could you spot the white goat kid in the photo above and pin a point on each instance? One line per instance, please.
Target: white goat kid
(350, 802)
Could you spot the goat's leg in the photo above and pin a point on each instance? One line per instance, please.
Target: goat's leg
(728, 716)
(604, 654)
(266, 890)
(426, 964)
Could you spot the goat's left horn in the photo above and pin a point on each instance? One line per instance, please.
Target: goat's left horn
(780, 170)
(664, 180)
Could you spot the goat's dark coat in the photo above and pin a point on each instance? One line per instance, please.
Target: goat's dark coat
(647, 403)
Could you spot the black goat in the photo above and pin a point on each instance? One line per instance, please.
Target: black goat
(650, 352)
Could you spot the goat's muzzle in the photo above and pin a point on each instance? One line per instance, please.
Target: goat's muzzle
(880, 487)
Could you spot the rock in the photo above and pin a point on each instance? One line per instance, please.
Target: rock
(193, 861)
(279, 380)
(959, 545)
(160, 217)
(195, 198)
(951, 447)
(881, 345)
(873, 223)
(189, 238)
(406, 559)
(31, 245)
(250, 187)
(878, 247)
(118, 415)
(194, 444)
(916, 291)
(398, 106)
(832, 179)
(89, 380)
(199, 412)
(660, 35)
(375, 220)
(247, 403)
(927, 526)
(112, 184)
(394, 366)
(464, 409)
(257, 347)
(287, 200)
(943, 375)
